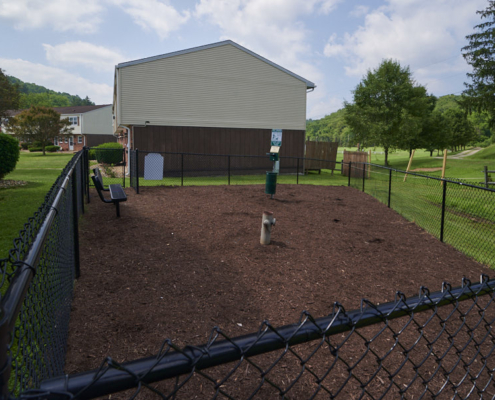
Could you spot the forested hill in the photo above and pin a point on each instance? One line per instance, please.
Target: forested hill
(35, 95)
(332, 127)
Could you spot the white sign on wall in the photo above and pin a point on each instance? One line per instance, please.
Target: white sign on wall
(276, 137)
(153, 167)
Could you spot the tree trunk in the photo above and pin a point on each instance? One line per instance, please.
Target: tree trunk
(43, 150)
(386, 156)
(431, 153)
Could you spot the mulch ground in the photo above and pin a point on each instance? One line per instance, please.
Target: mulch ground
(180, 261)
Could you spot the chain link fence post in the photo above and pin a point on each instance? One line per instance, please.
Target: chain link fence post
(5, 360)
(124, 160)
(442, 222)
(364, 174)
(229, 168)
(182, 169)
(75, 222)
(349, 173)
(137, 171)
(389, 186)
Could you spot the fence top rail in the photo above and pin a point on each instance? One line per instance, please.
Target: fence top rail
(449, 180)
(172, 362)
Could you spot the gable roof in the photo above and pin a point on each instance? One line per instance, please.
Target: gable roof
(65, 110)
(309, 84)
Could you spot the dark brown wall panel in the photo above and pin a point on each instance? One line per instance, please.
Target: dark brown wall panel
(235, 141)
(95, 140)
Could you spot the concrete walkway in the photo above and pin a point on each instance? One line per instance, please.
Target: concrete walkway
(463, 154)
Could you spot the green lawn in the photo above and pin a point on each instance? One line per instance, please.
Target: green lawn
(469, 168)
(19, 203)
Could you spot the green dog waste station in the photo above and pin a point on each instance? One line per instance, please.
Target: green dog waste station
(271, 177)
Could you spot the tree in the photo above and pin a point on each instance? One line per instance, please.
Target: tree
(9, 96)
(480, 54)
(388, 108)
(461, 130)
(39, 124)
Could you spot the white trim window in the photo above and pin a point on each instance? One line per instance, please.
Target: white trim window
(79, 139)
(66, 141)
(55, 141)
(74, 120)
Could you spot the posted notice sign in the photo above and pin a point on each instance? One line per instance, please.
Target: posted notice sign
(276, 137)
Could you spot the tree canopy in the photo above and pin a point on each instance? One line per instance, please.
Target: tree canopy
(39, 124)
(389, 108)
(480, 54)
(9, 95)
(36, 95)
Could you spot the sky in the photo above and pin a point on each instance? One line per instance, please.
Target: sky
(73, 45)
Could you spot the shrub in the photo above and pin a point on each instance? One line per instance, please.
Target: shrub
(38, 143)
(33, 149)
(52, 149)
(9, 154)
(24, 145)
(108, 153)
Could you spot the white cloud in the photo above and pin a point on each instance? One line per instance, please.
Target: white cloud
(57, 79)
(78, 53)
(359, 11)
(62, 15)
(154, 15)
(417, 33)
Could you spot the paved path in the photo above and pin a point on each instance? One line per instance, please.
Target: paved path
(463, 154)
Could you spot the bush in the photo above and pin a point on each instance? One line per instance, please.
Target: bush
(52, 149)
(107, 153)
(39, 143)
(9, 154)
(24, 145)
(33, 149)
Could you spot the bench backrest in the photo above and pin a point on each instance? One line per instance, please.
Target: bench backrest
(97, 179)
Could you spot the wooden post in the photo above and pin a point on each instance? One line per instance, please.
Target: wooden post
(369, 165)
(444, 165)
(267, 221)
(409, 165)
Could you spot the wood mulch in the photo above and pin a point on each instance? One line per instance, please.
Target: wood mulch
(180, 261)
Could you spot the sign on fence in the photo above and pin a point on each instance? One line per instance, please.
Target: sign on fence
(153, 167)
(276, 137)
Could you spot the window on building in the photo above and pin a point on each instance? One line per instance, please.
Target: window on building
(79, 139)
(66, 140)
(73, 120)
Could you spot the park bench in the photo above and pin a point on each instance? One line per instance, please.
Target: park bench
(117, 194)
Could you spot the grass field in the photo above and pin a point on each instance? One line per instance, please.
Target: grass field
(19, 203)
(469, 222)
(468, 168)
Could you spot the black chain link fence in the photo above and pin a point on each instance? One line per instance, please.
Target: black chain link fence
(186, 169)
(457, 213)
(37, 285)
(434, 345)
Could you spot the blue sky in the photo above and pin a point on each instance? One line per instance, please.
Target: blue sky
(74, 45)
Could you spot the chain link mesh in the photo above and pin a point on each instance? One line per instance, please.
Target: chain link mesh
(38, 337)
(435, 345)
(468, 211)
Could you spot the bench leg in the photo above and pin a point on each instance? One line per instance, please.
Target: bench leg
(117, 205)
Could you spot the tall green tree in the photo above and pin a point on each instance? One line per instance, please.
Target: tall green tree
(9, 95)
(41, 124)
(388, 108)
(480, 54)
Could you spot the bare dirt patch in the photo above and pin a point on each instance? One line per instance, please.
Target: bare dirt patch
(426, 169)
(182, 260)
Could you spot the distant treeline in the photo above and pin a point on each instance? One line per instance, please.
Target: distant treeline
(332, 127)
(35, 95)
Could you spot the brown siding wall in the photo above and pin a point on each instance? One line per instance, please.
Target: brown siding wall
(95, 140)
(234, 141)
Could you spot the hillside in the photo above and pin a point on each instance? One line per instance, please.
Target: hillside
(332, 127)
(35, 95)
